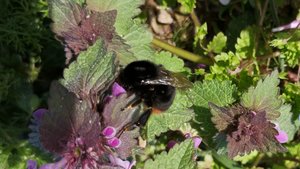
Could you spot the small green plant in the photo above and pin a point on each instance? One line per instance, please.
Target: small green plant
(240, 111)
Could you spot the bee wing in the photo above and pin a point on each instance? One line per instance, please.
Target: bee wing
(169, 78)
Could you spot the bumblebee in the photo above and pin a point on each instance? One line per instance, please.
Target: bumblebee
(155, 85)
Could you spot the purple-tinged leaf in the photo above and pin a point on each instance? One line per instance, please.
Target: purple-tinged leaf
(119, 112)
(78, 28)
(135, 34)
(68, 118)
(253, 132)
(92, 73)
(222, 117)
(129, 142)
(127, 9)
(245, 130)
(93, 26)
(65, 14)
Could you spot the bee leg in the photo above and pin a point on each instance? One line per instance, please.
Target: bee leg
(144, 117)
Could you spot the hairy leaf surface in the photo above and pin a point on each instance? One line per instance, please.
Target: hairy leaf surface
(92, 72)
(180, 156)
(173, 118)
(264, 97)
(68, 118)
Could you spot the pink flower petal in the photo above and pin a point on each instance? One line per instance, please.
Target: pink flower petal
(39, 113)
(171, 144)
(31, 164)
(122, 163)
(117, 89)
(282, 136)
(197, 141)
(114, 142)
(60, 164)
(294, 24)
(202, 66)
(109, 132)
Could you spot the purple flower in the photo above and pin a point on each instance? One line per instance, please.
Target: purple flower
(34, 136)
(72, 130)
(109, 132)
(196, 139)
(246, 130)
(114, 142)
(31, 164)
(118, 114)
(282, 136)
(293, 25)
(171, 144)
(117, 90)
(39, 113)
(60, 164)
(201, 66)
(122, 163)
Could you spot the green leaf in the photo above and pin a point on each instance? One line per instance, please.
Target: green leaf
(16, 154)
(223, 160)
(201, 32)
(237, 24)
(245, 46)
(292, 95)
(174, 118)
(289, 46)
(179, 157)
(264, 97)
(218, 43)
(286, 122)
(139, 39)
(126, 9)
(219, 92)
(188, 5)
(64, 14)
(278, 43)
(246, 158)
(135, 34)
(92, 72)
(171, 63)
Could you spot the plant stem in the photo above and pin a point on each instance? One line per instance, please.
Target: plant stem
(258, 159)
(263, 13)
(298, 74)
(182, 53)
(195, 18)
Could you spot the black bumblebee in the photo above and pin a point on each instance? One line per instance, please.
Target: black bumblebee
(155, 85)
